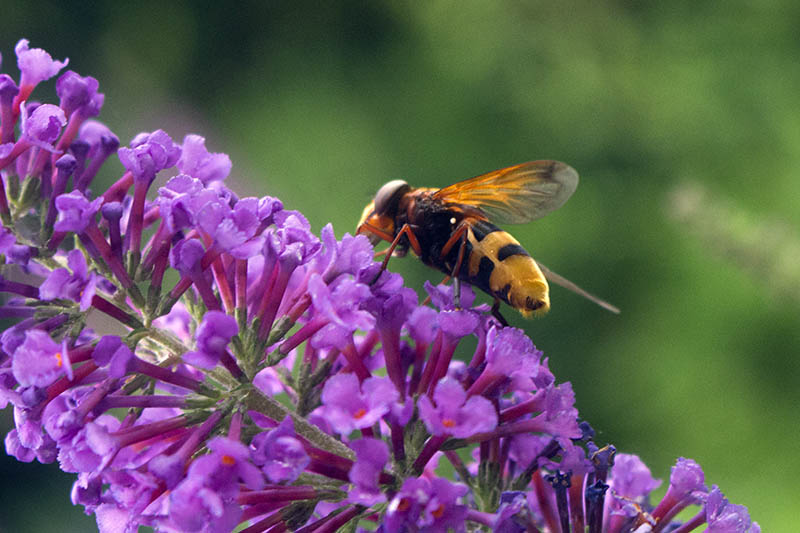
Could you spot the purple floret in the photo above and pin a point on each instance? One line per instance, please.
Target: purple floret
(198, 162)
(79, 93)
(371, 457)
(279, 453)
(75, 211)
(35, 64)
(148, 154)
(38, 361)
(725, 517)
(350, 406)
(213, 337)
(79, 286)
(43, 125)
(455, 414)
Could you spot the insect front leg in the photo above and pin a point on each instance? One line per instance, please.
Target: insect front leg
(412, 240)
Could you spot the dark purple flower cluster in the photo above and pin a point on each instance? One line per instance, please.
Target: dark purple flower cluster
(260, 377)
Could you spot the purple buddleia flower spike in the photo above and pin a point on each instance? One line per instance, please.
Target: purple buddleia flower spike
(206, 362)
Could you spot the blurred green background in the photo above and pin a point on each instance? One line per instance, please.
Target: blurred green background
(682, 118)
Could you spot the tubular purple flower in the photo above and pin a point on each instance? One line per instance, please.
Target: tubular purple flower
(371, 457)
(77, 92)
(8, 90)
(79, 100)
(508, 353)
(686, 483)
(279, 453)
(186, 257)
(43, 126)
(78, 286)
(65, 166)
(149, 153)
(350, 405)
(234, 230)
(630, 484)
(35, 65)
(631, 478)
(180, 201)
(198, 162)
(75, 212)
(102, 143)
(38, 360)
(339, 305)
(725, 517)
(213, 337)
(455, 414)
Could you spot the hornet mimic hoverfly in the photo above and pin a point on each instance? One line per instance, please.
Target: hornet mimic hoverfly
(452, 230)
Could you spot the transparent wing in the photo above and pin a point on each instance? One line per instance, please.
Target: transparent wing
(517, 194)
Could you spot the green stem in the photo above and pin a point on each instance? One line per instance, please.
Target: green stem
(277, 411)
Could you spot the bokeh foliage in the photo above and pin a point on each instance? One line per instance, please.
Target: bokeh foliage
(321, 103)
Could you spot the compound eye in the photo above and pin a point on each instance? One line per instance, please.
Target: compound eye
(388, 196)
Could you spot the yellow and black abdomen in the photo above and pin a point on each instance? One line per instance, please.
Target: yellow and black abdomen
(497, 264)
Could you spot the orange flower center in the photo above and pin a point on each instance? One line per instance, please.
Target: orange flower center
(60, 359)
(227, 460)
(438, 512)
(448, 422)
(360, 413)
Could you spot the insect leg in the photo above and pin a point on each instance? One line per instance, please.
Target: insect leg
(428, 298)
(366, 226)
(412, 240)
(496, 313)
(459, 233)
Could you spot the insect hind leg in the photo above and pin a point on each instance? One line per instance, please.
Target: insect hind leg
(459, 234)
